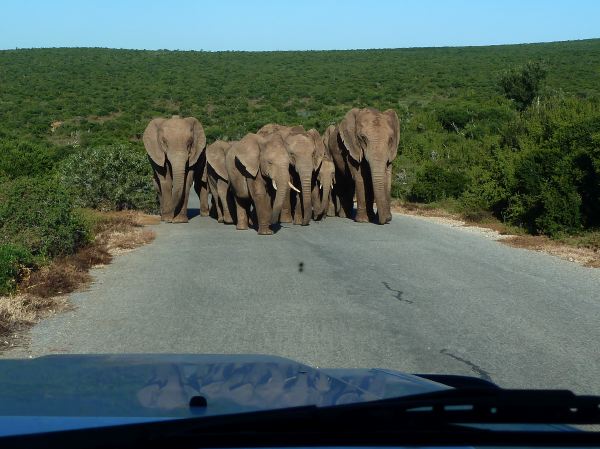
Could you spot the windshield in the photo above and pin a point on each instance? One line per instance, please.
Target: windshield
(359, 192)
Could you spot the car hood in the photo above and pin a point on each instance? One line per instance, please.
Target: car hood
(162, 385)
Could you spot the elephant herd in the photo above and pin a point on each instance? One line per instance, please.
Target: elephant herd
(278, 174)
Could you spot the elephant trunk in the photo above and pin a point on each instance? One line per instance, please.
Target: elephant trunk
(283, 190)
(325, 198)
(178, 164)
(306, 182)
(379, 192)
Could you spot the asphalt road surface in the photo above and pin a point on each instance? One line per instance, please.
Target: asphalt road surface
(412, 295)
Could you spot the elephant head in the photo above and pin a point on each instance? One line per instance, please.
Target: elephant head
(274, 165)
(179, 142)
(373, 136)
(306, 152)
(282, 130)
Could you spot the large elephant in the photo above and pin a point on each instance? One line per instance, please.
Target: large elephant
(218, 179)
(175, 147)
(258, 170)
(306, 152)
(363, 147)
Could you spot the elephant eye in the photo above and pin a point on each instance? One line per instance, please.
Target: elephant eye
(362, 138)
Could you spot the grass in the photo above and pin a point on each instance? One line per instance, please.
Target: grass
(43, 292)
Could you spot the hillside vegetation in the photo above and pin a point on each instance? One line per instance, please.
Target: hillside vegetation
(510, 131)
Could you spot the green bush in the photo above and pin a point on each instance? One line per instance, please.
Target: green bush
(435, 182)
(14, 260)
(38, 214)
(544, 197)
(26, 159)
(116, 177)
(523, 84)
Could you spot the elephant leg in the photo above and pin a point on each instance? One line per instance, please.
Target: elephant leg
(262, 204)
(166, 187)
(215, 210)
(156, 183)
(332, 206)
(388, 192)
(241, 209)
(203, 195)
(286, 210)
(361, 200)
(222, 190)
(316, 202)
(298, 211)
(182, 216)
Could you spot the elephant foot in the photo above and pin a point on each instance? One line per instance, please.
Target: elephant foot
(361, 217)
(388, 218)
(297, 222)
(181, 219)
(285, 217)
(220, 220)
(264, 231)
(228, 221)
(241, 227)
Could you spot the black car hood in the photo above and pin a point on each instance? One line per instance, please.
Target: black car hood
(161, 385)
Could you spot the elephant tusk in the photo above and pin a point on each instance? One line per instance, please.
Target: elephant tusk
(274, 184)
(320, 186)
(293, 187)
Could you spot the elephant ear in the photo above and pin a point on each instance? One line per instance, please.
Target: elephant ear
(392, 118)
(199, 143)
(348, 134)
(152, 144)
(215, 156)
(248, 154)
(319, 148)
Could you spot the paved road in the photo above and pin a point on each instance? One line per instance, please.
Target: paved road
(411, 295)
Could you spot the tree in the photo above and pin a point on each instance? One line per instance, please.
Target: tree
(523, 84)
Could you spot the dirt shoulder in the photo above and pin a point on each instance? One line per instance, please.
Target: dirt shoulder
(573, 250)
(44, 292)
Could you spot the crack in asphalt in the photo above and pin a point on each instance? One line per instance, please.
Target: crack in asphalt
(475, 368)
(397, 292)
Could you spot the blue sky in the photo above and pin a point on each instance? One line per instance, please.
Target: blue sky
(292, 25)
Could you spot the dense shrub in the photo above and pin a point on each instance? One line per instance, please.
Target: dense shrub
(14, 261)
(113, 177)
(18, 158)
(38, 214)
(544, 197)
(435, 182)
(523, 84)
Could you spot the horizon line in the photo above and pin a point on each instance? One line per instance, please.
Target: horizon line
(305, 50)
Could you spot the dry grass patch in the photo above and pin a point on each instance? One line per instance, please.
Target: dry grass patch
(588, 257)
(584, 249)
(43, 292)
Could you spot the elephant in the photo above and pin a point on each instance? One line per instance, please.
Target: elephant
(218, 180)
(323, 189)
(258, 171)
(363, 146)
(175, 147)
(306, 150)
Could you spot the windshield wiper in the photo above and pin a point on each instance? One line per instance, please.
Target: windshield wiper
(438, 418)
